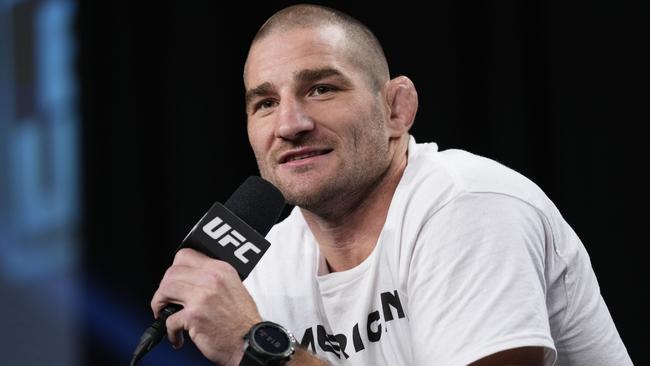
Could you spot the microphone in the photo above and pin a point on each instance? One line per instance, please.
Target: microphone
(233, 233)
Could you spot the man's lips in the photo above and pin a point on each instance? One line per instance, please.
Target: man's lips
(300, 154)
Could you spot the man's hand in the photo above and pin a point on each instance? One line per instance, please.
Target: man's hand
(217, 309)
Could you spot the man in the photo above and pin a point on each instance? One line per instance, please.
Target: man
(397, 254)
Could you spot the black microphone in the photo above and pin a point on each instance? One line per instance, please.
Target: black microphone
(233, 233)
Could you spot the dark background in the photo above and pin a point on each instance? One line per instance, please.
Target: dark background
(557, 91)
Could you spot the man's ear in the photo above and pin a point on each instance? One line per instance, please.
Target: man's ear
(402, 102)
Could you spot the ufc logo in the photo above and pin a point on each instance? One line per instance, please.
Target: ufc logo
(224, 235)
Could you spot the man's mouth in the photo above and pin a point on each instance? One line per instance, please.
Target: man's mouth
(302, 154)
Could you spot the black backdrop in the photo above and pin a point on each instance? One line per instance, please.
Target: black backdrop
(556, 91)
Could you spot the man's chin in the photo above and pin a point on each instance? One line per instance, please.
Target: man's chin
(305, 188)
(304, 194)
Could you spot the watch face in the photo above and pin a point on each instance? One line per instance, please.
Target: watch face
(272, 340)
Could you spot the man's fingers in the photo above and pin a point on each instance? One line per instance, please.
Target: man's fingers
(171, 292)
(189, 275)
(191, 258)
(182, 281)
(175, 328)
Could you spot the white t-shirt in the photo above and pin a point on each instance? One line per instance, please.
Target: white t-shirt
(473, 259)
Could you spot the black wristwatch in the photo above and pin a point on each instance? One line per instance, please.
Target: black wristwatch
(267, 343)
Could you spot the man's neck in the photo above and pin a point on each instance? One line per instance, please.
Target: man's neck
(349, 238)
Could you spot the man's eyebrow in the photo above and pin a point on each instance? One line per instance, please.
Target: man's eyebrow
(313, 75)
(260, 90)
(304, 76)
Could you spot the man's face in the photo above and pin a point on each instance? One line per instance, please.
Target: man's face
(316, 127)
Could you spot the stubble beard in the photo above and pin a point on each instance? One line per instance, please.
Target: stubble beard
(352, 181)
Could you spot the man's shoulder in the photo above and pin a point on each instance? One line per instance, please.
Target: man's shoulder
(458, 172)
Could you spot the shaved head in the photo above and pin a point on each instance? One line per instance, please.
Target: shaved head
(364, 48)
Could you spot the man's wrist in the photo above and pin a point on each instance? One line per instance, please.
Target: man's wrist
(267, 344)
(236, 357)
(238, 353)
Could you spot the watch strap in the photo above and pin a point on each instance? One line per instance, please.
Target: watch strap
(250, 360)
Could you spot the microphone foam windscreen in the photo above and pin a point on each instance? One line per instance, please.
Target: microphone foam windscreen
(258, 202)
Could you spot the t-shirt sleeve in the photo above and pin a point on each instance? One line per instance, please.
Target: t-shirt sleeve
(476, 284)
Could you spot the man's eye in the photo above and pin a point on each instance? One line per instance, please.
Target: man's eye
(321, 89)
(264, 104)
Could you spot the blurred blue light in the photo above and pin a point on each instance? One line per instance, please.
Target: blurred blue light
(39, 183)
(40, 204)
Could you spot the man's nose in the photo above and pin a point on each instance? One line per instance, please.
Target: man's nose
(292, 121)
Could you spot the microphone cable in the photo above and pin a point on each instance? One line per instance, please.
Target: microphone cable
(154, 333)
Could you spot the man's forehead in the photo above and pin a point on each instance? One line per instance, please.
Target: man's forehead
(318, 33)
(279, 44)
